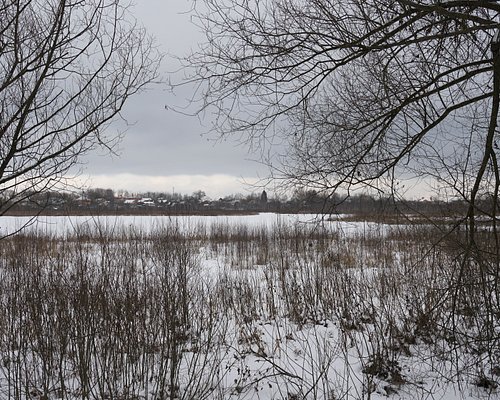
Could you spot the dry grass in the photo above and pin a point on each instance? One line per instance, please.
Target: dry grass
(128, 315)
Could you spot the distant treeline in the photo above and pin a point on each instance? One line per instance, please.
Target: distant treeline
(302, 201)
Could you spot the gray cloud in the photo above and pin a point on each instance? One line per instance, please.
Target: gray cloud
(162, 143)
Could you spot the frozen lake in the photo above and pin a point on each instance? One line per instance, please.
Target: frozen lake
(64, 225)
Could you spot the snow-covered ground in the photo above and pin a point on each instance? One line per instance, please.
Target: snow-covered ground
(243, 307)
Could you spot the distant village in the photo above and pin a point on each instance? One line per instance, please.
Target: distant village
(107, 201)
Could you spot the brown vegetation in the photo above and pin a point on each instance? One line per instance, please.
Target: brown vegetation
(125, 314)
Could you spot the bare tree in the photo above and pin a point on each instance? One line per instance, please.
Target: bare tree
(66, 69)
(356, 88)
(367, 93)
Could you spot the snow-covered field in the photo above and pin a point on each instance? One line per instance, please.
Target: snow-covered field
(245, 307)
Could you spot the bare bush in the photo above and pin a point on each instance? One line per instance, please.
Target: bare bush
(176, 313)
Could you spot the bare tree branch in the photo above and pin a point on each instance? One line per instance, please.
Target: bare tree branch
(67, 68)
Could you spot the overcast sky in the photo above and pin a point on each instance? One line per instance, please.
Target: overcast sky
(164, 150)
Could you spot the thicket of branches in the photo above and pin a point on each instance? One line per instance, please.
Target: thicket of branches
(357, 88)
(66, 70)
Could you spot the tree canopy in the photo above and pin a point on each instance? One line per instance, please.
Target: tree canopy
(66, 70)
(361, 92)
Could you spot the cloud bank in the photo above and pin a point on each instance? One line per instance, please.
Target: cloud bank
(215, 186)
